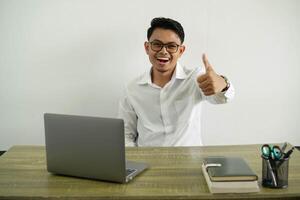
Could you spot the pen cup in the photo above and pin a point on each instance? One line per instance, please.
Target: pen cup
(275, 173)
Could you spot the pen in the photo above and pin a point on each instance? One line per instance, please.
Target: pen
(284, 147)
(282, 150)
(287, 155)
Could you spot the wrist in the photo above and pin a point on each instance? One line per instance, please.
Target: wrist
(227, 83)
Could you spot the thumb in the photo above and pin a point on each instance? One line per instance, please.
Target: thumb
(206, 63)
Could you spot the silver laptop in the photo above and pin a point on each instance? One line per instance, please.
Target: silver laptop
(88, 147)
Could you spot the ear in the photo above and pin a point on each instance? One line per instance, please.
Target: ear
(181, 50)
(146, 45)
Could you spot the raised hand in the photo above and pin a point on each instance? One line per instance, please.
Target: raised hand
(210, 82)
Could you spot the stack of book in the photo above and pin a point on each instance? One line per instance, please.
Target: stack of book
(229, 175)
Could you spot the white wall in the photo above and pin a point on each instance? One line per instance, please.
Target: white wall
(75, 57)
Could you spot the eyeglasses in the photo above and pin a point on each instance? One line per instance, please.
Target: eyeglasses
(170, 47)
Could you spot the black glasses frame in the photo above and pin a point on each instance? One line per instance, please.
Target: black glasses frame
(164, 45)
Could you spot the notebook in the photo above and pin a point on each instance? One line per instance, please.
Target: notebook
(88, 147)
(229, 175)
(229, 169)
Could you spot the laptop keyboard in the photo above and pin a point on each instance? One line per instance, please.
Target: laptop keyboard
(130, 171)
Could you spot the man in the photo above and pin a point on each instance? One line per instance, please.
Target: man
(162, 107)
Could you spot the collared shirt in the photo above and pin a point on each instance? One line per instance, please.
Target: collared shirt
(168, 116)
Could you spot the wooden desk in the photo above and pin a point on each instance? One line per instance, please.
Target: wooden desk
(175, 173)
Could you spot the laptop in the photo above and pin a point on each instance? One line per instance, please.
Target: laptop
(88, 147)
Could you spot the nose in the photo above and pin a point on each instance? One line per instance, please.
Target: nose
(164, 50)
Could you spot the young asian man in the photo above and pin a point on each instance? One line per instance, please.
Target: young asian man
(163, 106)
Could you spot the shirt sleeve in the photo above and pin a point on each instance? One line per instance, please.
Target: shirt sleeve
(127, 113)
(221, 97)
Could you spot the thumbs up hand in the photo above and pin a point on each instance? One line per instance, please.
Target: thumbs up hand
(210, 83)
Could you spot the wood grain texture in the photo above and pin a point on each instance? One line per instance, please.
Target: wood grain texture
(174, 173)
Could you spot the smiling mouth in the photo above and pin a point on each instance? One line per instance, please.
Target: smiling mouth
(163, 60)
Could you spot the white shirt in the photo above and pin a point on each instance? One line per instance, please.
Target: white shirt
(168, 116)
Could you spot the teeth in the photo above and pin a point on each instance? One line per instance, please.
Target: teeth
(163, 58)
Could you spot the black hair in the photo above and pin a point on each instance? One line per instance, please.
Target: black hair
(166, 23)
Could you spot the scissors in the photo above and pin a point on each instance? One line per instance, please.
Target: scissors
(271, 152)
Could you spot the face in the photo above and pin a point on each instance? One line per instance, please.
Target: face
(164, 60)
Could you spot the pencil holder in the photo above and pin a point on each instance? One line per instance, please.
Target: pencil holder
(275, 173)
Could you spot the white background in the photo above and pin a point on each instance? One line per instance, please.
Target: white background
(75, 57)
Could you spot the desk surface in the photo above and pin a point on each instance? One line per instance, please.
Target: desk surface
(175, 173)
